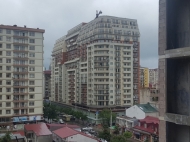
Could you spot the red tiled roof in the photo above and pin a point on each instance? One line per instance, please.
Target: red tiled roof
(54, 127)
(146, 130)
(19, 132)
(39, 129)
(150, 119)
(67, 132)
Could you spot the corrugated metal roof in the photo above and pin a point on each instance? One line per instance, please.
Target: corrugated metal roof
(147, 108)
(39, 129)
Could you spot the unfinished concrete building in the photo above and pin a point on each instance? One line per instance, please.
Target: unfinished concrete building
(174, 70)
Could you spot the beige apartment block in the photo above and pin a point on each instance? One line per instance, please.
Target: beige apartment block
(100, 64)
(21, 73)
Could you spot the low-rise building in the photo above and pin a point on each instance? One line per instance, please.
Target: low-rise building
(140, 111)
(67, 134)
(37, 133)
(126, 123)
(53, 127)
(147, 129)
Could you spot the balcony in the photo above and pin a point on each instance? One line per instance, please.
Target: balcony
(20, 64)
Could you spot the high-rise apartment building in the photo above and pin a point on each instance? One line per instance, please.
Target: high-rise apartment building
(153, 77)
(174, 73)
(21, 73)
(99, 63)
(57, 75)
(144, 77)
(47, 84)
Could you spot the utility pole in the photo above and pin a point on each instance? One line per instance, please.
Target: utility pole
(110, 121)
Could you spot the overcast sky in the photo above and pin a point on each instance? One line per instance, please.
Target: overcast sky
(58, 16)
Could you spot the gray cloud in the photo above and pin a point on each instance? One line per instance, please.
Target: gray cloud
(58, 16)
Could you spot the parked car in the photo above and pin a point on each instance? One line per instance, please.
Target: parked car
(91, 131)
(87, 129)
(61, 121)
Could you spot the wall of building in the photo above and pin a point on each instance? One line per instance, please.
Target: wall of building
(134, 111)
(24, 48)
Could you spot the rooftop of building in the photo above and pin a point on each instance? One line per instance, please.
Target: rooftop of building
(67, 132)
(39, 129)
(47, 72)
(150, 119)
(24, 28)
(54, 127)
(147, 108)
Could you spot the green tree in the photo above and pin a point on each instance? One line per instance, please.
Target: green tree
(105, 134)
(6, 138)
(118, 138)
(50, 111)
(127, 135)
(105, 116)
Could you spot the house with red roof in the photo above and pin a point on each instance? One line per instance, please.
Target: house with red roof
(53, 127)
(67, 134)
(37, 133)
(147, 129)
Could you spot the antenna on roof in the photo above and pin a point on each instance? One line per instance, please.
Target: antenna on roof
(98, 13)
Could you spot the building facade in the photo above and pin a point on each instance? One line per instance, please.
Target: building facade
(21, 65)
(144, 77)
(174, 59)
(47, 84)
(153, 78)
(100, 64)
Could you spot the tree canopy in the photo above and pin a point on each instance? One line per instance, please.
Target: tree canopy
(105, 116)
(52, 111)
(6, 138)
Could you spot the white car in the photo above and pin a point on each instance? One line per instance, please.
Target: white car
(61, 121)
(87, 129)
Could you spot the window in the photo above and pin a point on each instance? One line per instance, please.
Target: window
(32, 48)
(1, 67)
(1, 38)
(32, 75)
(32, 40)
(31, 89)
(8, 60)
(8, 46)
(8, 104)
(31, 96)
(8, 31)
(8, 38)
(32, 54)
(8, 75)
(0, 97)
(1, 46)
(8, 89)
(32, 62)
(1, 60)
(8, 82)
(1, 31)
(31, 82)
(8, 53)
(32, 33)
(1, 52)
(32, 69)
(31, 110)
(1, 110)
(1, 89)
(8, 68)
(31, 103)
(8, 111)
(8, 97)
